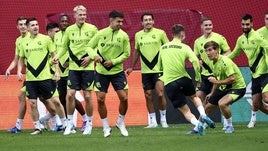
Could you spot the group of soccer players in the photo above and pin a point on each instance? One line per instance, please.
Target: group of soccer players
(79, 57)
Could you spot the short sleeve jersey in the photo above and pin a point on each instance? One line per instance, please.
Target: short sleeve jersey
(172, 60)
(36, 52)
(200, 50)
(111, 45)
(58, 43)
(18, 43)
(148, 43)
(252, 46)
(225, 67)
(75, 40)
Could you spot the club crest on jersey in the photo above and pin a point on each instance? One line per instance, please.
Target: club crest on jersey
(39, 43)
(153, 36)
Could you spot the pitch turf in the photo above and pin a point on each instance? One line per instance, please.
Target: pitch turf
(173, 138)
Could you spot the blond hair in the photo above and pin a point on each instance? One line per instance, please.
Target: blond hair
(79, 7)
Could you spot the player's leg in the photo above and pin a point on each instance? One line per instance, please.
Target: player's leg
(159, 88)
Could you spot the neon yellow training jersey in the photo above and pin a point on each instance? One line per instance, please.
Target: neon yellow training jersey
(255, 48)
(201, 53)
(65, 58)
(264, 32)
(173, 56)
(111, 45)
(18, 43)
(36, 53)
(225, 67)
(148, 44)
(75, 41)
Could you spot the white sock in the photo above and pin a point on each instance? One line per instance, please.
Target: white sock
(120, 119)
(229, 121)
(253, 116)
(37, 125)
(105, 123)
(89, 120)
(194, 121)
(163, 115)
(152, 117)
(201, 110)
(84, 117)
(224, 121)
(46, 117)
(57, 119)
(19, 123)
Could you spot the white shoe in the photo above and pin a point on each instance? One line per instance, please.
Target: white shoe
(107, 131)
(88, 130)
(152, 125)
(68, 129)
(164, 124)
(36, 132)
(122, 129)
(251, 124)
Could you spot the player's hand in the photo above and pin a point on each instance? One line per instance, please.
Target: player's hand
(98, 59)
(85, 61)
(128, 71)
(66, 64)
(7, 75)
(55, 60)
(208, 97)
(108, 63)
(20, 76)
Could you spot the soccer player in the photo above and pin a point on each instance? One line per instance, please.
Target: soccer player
(81, 66)
(178, 83)
(147, 44)
(264, 32)
(64, 22)
(205, 86)
(254, 46)
(39, 81)
(228, 84)
(52, 28)
(113, 46)
(21, 26)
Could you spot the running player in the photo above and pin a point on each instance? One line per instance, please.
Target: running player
(178, 83)
(264, 32)
(254, 46)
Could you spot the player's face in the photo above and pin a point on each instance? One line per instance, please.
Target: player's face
(207, 26)
(266, 20)
(22, 26)
(33, 27)
(147, 22)
(52, 32)
(64, 22)
(116, 23)
(80, 16)
(212, 53)
(246, 25)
